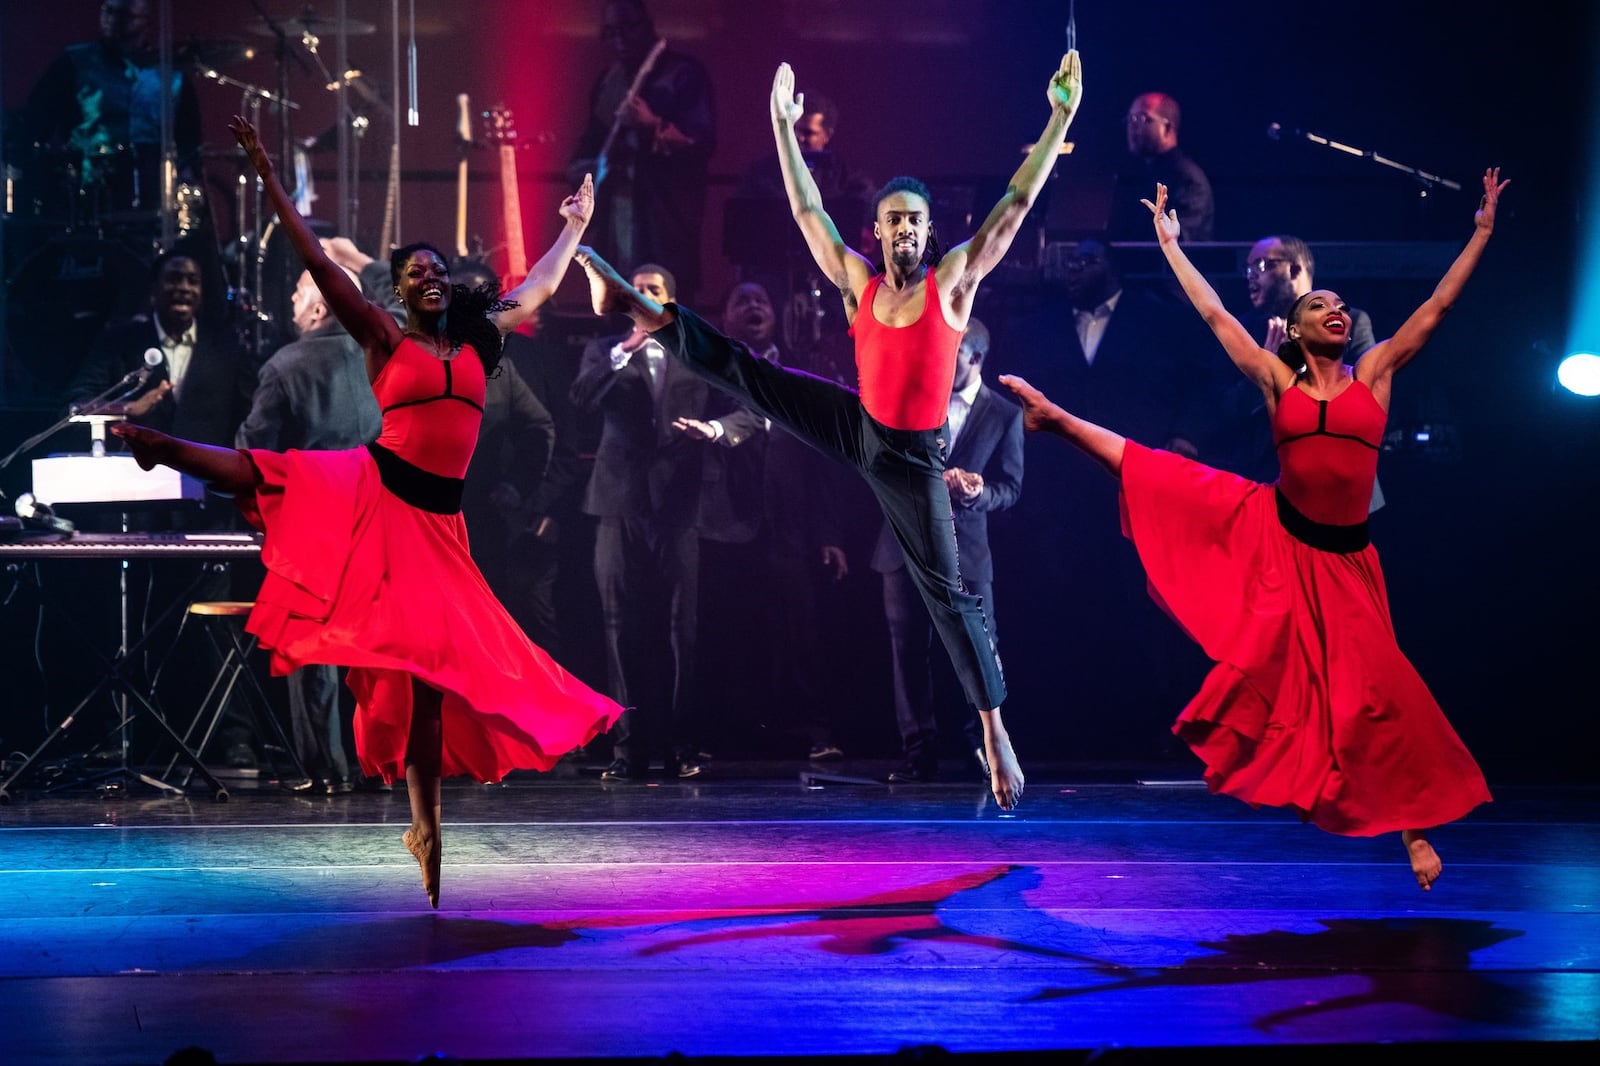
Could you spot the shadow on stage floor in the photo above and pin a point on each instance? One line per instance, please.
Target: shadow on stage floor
(791, 913)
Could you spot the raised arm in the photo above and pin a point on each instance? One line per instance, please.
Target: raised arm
(371, 327)
(847, 269)
(1271, 374)
(1379, 364)
(969, 262)
(545, 277)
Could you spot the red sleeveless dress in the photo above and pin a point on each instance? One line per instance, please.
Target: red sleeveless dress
(357, 577)
(1311, 704)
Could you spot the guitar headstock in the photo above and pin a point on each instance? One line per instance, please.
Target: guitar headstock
(499, 127)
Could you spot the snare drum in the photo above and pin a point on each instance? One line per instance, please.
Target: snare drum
(57, 300)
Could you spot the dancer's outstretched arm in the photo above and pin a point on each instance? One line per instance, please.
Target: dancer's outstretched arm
(969, 262)
(371, 327)
(848, 270)
(1271, 374)
(545, 277)
(1378, 365)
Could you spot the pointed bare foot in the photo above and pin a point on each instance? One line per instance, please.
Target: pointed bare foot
(1005, 773)
(427, 851)
(610, 292)
(148, 446)
(1425, 864)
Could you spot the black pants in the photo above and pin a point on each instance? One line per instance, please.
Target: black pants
(649, 582)
(916, 696)
(903, 467)
(315, 723)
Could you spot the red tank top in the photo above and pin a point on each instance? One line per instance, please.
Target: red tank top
(906, 371)
(432, 407)
(1328, 452)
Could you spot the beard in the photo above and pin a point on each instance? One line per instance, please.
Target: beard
(905, 258)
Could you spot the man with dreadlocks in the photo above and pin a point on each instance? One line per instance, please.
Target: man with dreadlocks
(907, 321)
(366, 551)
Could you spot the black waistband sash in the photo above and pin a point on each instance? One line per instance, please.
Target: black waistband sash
(1319, 535)
(416, 486)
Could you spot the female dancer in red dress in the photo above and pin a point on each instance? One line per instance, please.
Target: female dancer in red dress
(366, 552)
(1311, 704)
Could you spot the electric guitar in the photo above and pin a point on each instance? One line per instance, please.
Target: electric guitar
(501, 132)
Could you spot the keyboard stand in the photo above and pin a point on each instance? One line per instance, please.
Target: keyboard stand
(113, 677)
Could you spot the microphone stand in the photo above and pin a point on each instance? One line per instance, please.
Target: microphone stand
(1276, 132)
(85, 412)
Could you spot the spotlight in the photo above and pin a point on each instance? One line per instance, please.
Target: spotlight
(1580, 374)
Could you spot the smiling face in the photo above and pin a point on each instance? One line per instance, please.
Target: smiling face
(1321, 320)
(902, 229)
(177, 294)
(424, 283)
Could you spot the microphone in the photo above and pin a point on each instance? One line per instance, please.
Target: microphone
(153, 358)
(37, 514)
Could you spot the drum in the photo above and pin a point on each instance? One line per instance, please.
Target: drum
(58, 298)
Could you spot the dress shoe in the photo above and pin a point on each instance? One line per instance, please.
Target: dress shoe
(825, 751)
(620, 770)
(912, 773)
(983, 763)
(686, 768)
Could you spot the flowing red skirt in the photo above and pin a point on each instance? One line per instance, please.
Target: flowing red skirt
(1311, 704)
(358, 578)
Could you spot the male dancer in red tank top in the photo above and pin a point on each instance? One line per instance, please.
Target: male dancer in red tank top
(907, 323)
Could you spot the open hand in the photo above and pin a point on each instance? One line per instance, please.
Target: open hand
(1037, 409)
(786, 106)
(1066, 84)
(1492, 188)
(1167, 228)
(694, 428)
(579, 207)
(250, 141)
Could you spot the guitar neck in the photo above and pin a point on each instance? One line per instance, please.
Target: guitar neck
(511, 206)
(461, 208)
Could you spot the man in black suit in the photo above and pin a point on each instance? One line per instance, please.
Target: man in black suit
(646, 489)
(202, 388)
(984, 474)
(774, 521)
(1132, 357)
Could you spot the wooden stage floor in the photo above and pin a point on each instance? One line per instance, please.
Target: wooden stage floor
(751, 914)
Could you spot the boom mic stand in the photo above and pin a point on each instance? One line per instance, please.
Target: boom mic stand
(1276, 132)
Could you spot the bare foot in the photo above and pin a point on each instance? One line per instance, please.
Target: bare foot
(148, 446)
(1425, 864)
(1005, 773)
(609, 292)
(427, 851)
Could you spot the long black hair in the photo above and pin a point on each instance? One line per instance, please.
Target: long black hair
(467, 320)
(933, 251)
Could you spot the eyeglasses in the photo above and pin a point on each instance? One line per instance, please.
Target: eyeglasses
(1142, 118)
(1261, 266)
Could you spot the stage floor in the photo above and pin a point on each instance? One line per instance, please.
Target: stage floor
(751, 913)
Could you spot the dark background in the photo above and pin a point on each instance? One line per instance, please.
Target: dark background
(1489, 550)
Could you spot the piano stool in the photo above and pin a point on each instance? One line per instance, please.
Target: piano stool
(222, 621)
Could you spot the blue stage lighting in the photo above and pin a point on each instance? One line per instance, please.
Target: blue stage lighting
(1580, 374)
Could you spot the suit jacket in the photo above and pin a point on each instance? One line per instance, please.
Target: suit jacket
(643, 466)
(990, 443)
(215, 393)
(313, 393)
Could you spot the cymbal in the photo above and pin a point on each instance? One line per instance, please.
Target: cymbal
(217, 52)
(308, 22)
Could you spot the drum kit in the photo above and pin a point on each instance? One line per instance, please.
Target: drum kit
(82, 226)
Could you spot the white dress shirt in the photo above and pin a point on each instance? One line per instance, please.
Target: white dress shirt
(178, 351)
(961, 406)
(1092, 325)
